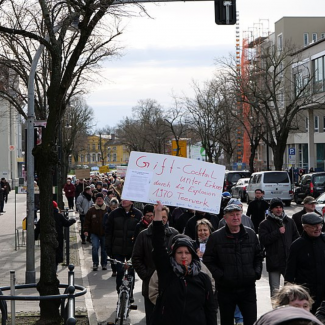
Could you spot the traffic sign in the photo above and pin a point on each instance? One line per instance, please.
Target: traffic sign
(292, 151)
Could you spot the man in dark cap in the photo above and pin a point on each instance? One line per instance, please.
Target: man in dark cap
(94, 224)
(309, 206)
(276, 233)
(235, 273)
(306, 261)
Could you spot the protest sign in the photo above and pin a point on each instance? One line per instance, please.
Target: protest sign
(174, 181)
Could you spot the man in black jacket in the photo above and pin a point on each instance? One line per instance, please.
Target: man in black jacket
(276, 233)
(234, 257)
(256, 209)
(309, 206)
(119, 235)
(306, 262)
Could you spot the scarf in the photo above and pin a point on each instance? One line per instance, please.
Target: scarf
(278, 220)
(181, 270)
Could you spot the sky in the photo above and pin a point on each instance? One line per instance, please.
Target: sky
(162, 56)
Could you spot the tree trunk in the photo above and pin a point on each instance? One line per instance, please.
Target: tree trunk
(46, 159)
(251, 158)
(278, 152)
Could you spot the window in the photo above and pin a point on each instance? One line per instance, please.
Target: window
(318, 74)
(99, 157)
(88, 157)
(280, 43)
(94, 157)
(306, 124)
(322, 35)
(298, 83)
(94, 147)
(316, 123)
(82, 158)
(306, 42)
(314, 37)
(114, 157)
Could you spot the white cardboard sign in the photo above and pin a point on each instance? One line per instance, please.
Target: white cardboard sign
(174, 181)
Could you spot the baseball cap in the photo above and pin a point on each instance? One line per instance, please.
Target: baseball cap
(232, 207)
(309, 200)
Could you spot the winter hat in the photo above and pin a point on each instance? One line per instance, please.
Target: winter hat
(311, 218)
(92, 185)
(55, 205)
(148, 208)
(275, 202)
(234, 201)
(104, 190)
(184, 242)
(309, 200)
(109, 192)
(286, 313)
(99, 183)
(232, 207)
(114, 201)
(226, 194)
(99, 195)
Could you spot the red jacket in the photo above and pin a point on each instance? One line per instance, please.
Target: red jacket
(69, 190)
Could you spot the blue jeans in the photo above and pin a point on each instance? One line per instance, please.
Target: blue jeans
(238, 316)
(96, 242)
(120, 271)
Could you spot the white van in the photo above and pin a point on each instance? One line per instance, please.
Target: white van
(273, 183)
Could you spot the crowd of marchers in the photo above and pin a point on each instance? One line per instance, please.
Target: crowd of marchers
(194, 265)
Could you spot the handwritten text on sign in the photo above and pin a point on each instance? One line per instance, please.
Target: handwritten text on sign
(174, 181)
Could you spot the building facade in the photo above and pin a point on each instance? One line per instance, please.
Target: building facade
(101, 150)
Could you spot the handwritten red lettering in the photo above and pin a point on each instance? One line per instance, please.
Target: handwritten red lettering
(179, 186)
(187, 170)
(184, 198)
(162, 184)
(202, 192)
(190, 181)
(142, 164)
(212, 185)
(161, 193)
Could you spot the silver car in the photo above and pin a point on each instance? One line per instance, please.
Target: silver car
(320, 205)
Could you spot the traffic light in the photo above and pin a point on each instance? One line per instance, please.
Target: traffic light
(225, 12)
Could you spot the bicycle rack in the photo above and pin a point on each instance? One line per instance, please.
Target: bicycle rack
(67, 310)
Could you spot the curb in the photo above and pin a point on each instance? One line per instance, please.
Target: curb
(88, 300)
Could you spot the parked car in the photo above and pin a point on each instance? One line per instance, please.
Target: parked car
(232, 177)
(320, 205)
(274, 184)
(239, 190)
(312, 184)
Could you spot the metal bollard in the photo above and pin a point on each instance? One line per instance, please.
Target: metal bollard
(13, 293)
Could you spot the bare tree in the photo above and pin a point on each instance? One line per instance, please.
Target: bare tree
(175, 119)
(206, 118)
(268, 87)
(27, 24)
(146, 130)
(104, 137)
(78, 117)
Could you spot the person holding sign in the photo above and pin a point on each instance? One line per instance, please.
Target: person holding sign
(234, 257)
(185, 293)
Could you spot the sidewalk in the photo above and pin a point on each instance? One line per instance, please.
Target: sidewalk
(101, 297)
